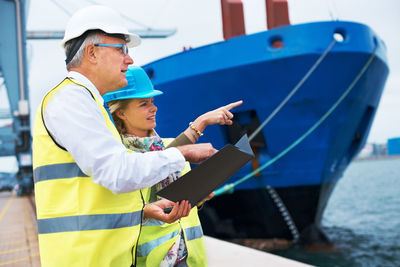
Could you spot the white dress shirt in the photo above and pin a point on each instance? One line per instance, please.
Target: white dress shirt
(75, 121)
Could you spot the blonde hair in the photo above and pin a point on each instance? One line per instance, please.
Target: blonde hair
(114, 106)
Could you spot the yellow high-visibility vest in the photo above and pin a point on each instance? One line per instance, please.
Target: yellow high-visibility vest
(80, 223)
(157, 237)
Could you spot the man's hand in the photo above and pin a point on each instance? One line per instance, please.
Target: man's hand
(155, 210)
(198, 152)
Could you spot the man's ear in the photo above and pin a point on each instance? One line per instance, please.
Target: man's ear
(91, 53)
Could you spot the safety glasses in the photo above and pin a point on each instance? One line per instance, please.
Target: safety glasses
(123, 47)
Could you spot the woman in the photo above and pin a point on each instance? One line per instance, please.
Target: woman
(133, 110)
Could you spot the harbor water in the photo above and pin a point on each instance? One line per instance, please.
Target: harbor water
(362, 218)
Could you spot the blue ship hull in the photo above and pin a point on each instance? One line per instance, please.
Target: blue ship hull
(249, 68)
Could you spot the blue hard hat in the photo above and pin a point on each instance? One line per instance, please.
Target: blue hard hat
(139, 86)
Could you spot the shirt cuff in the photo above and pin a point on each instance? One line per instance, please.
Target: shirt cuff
(177, 161)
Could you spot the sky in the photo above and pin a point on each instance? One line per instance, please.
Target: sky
(198, 22)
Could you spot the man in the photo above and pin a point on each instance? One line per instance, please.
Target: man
(87, 185)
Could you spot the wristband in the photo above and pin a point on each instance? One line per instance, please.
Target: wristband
(193, 134)
(194, 129)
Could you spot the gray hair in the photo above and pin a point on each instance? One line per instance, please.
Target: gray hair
(94, 37)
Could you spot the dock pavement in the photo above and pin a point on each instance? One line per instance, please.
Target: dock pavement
(18, 231)
(19, 244)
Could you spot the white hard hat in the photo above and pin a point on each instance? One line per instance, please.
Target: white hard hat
(98, 17)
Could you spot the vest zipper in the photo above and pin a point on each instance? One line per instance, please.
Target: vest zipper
(140, 229)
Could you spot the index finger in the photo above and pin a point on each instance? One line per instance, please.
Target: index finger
(234, 104)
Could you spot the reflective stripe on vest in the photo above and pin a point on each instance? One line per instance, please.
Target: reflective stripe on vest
(153, 222)
(88, 222)
(57, 171)
(193, 232)
(146, 248)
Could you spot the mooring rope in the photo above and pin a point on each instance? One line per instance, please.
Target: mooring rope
(301, 82)
(230, 187)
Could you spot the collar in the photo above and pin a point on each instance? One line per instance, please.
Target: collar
(82, 79)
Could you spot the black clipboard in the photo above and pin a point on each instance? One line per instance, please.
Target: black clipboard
(201, 181)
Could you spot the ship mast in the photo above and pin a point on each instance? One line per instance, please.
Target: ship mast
(233, 16)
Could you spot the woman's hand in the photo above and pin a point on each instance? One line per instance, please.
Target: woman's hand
(220, 116)
(155, 210)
